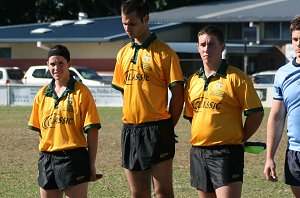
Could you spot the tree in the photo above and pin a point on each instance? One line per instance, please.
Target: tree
(38, 11)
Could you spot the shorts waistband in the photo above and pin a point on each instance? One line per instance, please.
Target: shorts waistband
(149, 123)
(64, 152)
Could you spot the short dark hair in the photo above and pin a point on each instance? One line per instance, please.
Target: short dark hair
(59, 50)
(295, 24)
(212, 30)
(140, 6)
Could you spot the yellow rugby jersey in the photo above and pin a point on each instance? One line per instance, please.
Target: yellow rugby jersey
(216, 105)
(143, 74)
(63, 121)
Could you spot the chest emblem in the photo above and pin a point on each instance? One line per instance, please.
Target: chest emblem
(69, 104)
(147, 58)
(217, 90)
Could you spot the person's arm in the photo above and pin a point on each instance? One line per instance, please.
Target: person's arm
(252, 122)
(176, 102)
(275, 126)
(92, 140)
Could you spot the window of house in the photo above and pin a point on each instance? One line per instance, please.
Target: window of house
(5, 52)
(285, 30)
(272, 30)
(234, 31)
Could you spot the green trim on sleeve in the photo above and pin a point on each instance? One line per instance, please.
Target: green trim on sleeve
(33, 128)
(98, 126)
(117, 88)
(176, 83)
(246, 113)
(187, 117)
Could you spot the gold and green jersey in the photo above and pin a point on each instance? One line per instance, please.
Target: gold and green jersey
(143, 74)
(216, 105)
(62, 121)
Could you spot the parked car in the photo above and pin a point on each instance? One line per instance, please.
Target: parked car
(264, 77)
(11, 75)
(107, 77)
(40, 75)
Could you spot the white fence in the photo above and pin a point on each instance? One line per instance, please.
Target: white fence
(23, 95)
(265, 93)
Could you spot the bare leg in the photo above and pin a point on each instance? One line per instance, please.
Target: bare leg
(296, 191)
(202, 194)
(139, 183)
(51, 193)
(77, 191)
(162, 179)
(232, 190)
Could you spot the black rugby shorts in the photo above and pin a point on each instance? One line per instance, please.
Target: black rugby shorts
(215, 166)
(144, 145)
(63, 169)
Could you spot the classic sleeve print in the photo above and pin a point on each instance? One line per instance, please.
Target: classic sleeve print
(118, 78)
(247, 95)
(89, 111)
(188, 109)
(172, 70)
(34, 121)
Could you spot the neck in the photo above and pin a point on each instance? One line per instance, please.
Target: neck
(62, 82)
(143, 37)
(211, 68)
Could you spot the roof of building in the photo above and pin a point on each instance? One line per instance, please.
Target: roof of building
(87, 30)
(107, 29)
(232, 11)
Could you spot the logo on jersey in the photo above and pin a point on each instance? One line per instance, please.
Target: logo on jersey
(147, 58)
(133, 75)
(54, 119)
(145, 64)
(69, 104)
(217, 90)
(203, 103)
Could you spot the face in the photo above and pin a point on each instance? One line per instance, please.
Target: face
(210, 49)
(58, 67)
(134, 26)
(296, 44)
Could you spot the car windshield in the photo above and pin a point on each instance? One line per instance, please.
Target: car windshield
(264, 79)
(15, 74)
(89, 74)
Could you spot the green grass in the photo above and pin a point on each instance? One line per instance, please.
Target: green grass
(19, 155)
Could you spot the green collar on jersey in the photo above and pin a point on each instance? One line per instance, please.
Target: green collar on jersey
(143, 46)
(221, 71)
(49, 90)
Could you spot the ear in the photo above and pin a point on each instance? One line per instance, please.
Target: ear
(69, 64)
(146, 18)
(223, 47)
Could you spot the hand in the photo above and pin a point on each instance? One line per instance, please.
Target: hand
(270, 171)
(176, 140)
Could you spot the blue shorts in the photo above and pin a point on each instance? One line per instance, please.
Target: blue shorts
(292, 168)
(215, 166)
(63, 169)
(144, 145)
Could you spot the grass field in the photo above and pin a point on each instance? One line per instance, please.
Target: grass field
(19, 155)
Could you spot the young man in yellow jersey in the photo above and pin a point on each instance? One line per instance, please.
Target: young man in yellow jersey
(215, 98)
(63, 112)
(145, 69)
